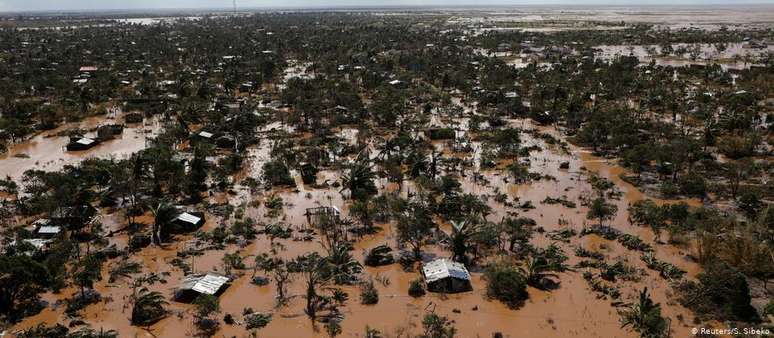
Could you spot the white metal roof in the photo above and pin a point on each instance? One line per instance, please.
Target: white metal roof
(188, 218)
(49, 229)
(85, 141)
(38, 243)
(444, 268)
(207, 284)
(205, 134)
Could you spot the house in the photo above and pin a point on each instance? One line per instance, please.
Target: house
(226, 142)
(205, 135)
(80, 143)
(308, 173)
(49, 231)
(39, 244)
(88, 69)
(444, 275)
(439, 133)
(189, 221)
(316, 216)
(201, 284)
(397, 83)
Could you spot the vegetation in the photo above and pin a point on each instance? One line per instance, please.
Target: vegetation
(422, 134)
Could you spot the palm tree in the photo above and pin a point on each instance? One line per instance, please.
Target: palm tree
(163, 215)
(537, 270)
(148, 308)
(463, 233)
(343, 265)
(124, 270)
(645, 318)
(359, 178)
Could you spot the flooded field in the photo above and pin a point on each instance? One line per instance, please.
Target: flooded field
(569, 311)
(46, 150)
(261, 154)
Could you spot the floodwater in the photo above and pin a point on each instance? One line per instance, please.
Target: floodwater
(46, 150)
(571, 310)
(730, 56)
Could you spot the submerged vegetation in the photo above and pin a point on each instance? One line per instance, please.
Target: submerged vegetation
(291, 161)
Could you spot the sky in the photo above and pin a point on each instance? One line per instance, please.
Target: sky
(71, 5)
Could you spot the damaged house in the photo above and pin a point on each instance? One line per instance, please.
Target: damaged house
(445, 275)
(202, 284)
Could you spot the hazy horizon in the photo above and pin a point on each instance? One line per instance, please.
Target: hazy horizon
(108, 5)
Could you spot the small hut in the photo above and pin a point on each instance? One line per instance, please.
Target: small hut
(226, 142)
(81, 143)
(189, 221)
(444, 275)
(316, 216)
(205, 136)
(308, 173)
(202, 284)
(45, 229)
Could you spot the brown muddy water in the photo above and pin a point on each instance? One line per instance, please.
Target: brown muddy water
(46, 150)
(573, 310)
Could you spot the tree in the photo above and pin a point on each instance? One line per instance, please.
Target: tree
(645, 317)
(738, 171)
(437, 327)
(537, 271)
(333, 328)
(414, 227)
(721, 293)
(601, 210)
(148, 308)
(163, 215)
(197, 176)
(316, 272)
(206, 305)
(344, 267)
(359, 178)
(254, 321)
(86, 272)
(369, 295)
(506, 283)
(750, 203)
(518, 230)
(276, 173)
(21, 281)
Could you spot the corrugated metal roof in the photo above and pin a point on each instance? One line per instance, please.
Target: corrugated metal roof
(38, 243)
(85, 141)
(49, 229)
(188, 218)
(205, 134)
(207, 284)
(444, 268)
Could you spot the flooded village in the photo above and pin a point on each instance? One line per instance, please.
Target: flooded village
(493, 172)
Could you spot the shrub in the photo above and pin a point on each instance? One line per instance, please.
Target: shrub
(276, 173)
(369, 295)
(437, 327)
(506, 284)
(416, 288)
(721, 293)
